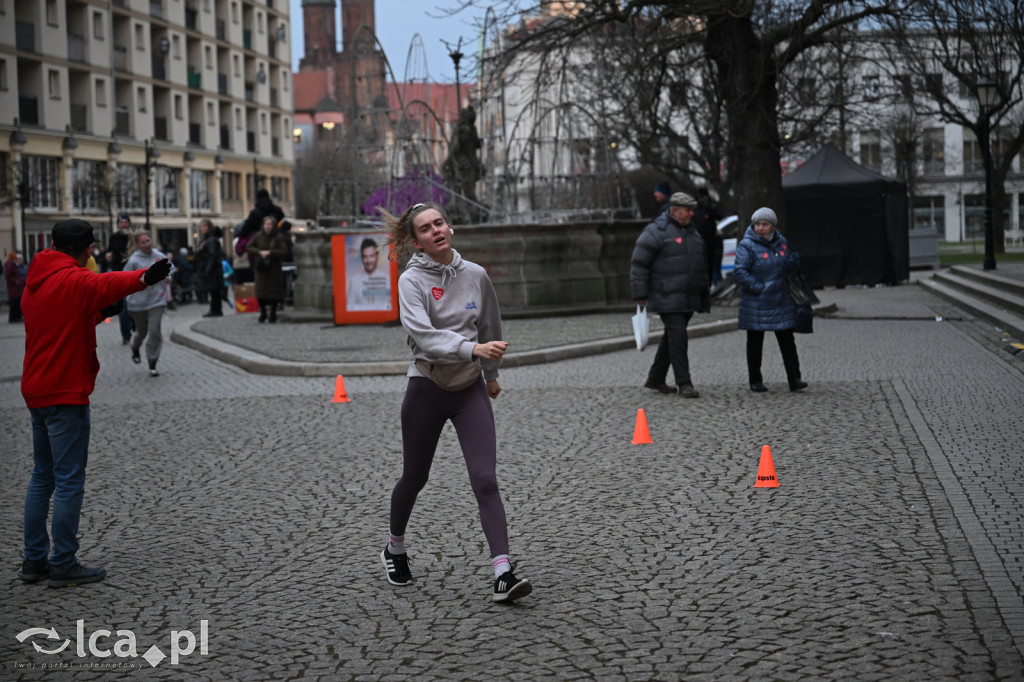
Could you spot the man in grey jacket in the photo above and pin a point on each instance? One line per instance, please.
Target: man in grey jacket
(669, 272)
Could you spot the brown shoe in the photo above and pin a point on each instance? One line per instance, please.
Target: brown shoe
(660, 388)
(688, 391)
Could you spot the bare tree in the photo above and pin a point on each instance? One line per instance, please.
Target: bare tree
(733, 50)
(946, 46)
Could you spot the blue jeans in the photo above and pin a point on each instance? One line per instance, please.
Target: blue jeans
(60, 443)
(672, 351)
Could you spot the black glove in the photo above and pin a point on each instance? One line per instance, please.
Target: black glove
(112, 310)
(157, 272)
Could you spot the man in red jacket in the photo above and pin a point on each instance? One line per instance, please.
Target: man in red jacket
(62, 304)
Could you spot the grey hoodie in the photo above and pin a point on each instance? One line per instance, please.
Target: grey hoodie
(447, 310)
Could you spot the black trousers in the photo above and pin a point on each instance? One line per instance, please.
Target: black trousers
(673, 351)
(787, 344)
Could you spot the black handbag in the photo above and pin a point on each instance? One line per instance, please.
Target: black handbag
(799, 290)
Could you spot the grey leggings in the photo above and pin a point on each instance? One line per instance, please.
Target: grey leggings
(425, 410)
(147, 328)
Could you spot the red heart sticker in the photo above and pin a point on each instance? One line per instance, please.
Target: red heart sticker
(437, 293)
(679, 240)
(764, 254)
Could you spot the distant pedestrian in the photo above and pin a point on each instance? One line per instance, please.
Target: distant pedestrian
(62, 305)
(669, 272)
(209, 266)
(117, 253)
(15, 277)
(763, 260)
(449, 308)
(147, 307)
(661, 194)
(267, 251)
(705, 219)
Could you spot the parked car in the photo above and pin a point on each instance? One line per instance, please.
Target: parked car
(731, 230)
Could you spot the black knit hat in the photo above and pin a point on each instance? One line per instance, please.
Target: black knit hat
(72, 235)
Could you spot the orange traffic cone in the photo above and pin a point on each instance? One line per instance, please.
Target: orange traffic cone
(766, 470)
(640, 432)
(339, 391)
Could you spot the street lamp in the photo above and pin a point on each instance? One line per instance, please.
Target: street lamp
(987, 92)
(151, 153)
(456, 56)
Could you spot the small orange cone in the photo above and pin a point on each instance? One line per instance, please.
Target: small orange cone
(640, 432)
(339, 391)
(766, 470)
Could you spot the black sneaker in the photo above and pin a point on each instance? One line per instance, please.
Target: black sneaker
(507, 587)
(397, 567)
(136, 358)
(76, 574)
(32, 571)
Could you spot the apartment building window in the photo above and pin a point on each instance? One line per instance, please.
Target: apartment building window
(279, 188)
(53, 83)
(178, 108)
(210, 116)
(234, 12)
(236, 62)
(934, 151)
(101, 92)
(88, 180)
(168, 180)
(972, 153)
(871, 149)
(3, 74)
(259, 22)
(140, 37)
(176, 46)
(229, 183)
(238, 118)
(284, 80)
(905, 86)
(199, 184)
(52, 18)
(872, 86)
(263, 123)
(208, 52)
(43, 176)
(140, 97)
(932, 84)
(97, 25)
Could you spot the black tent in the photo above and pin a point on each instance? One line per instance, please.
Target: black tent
(848, 224)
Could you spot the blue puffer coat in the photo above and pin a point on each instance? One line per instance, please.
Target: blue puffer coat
(760, 270)
(669, 268)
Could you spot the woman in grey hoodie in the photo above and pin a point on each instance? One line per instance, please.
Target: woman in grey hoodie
(448, 307)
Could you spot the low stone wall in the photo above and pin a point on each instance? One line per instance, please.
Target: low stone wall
(533, 267)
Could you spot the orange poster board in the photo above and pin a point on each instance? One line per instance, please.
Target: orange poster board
(364, 279)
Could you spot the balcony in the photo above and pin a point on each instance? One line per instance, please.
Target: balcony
(28, 110)
(123, 122)
(250, 142)
(156, 9)
(247, 39)
(275, 147)
(121, 61)
(195, 134)
(159, 68)
(25, 36)
(191, 18)
(221, 30)
(160, 128)
(250, 91)
(76, 48)
(79, 118)
(272, 48)
(225, 138)
(222, 83)
(195, 79)
(273, 97)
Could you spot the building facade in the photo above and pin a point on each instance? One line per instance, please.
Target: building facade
(167, 110)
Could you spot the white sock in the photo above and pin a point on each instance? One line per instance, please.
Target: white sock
(396, 543)
(501, 564)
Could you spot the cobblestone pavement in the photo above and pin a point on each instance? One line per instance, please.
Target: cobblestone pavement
(892, 548)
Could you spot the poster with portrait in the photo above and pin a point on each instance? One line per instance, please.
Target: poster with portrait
(365, 279)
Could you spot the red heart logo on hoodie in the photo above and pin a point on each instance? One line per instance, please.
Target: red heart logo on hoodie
(679, 240)
(437, 293)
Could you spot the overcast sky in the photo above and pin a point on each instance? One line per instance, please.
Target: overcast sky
(397, 22)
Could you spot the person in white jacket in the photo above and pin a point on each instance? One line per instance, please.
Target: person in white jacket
(147, 306)
(449, 308)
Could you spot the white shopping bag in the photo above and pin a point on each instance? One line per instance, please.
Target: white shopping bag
(641, 327)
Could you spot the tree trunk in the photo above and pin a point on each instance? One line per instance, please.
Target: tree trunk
(747, 79)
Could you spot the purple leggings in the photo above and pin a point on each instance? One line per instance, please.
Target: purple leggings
(425, 410)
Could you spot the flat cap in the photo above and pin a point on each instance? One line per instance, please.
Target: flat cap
(682, 199)
(72, 234)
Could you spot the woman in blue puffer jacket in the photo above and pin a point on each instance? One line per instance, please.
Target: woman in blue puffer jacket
(763, 260)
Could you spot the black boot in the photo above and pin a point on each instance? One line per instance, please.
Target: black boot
(273, 312)
(263, 310)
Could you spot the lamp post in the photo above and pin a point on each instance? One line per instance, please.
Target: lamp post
(151, 153)
(987, 93)
(456, 56)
